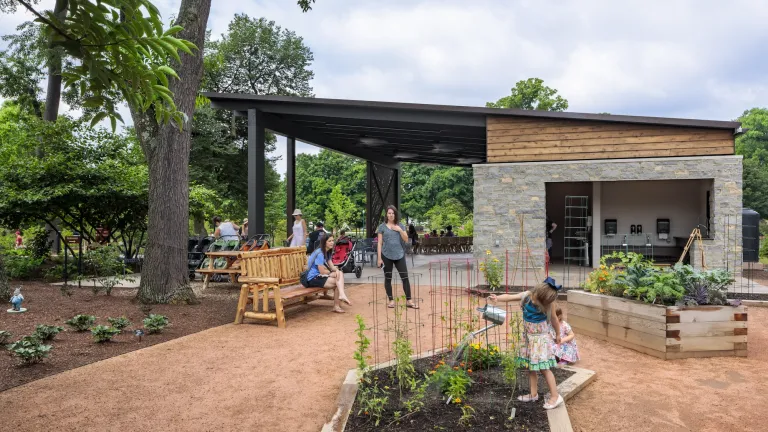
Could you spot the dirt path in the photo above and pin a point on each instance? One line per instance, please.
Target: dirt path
(260, 378)
(636, 392)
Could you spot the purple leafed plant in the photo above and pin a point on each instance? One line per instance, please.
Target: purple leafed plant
(696, 295)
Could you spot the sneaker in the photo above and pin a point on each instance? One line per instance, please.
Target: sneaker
(558, 402)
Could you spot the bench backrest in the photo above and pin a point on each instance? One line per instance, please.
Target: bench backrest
(283, 263)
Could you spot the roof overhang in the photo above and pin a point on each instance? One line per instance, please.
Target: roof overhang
(390, 132)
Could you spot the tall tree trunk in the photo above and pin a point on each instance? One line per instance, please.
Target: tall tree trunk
(53, 93)
(164, 276)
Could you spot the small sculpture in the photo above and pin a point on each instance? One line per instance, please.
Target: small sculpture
(16, 301)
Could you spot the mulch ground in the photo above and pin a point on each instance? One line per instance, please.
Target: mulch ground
(47, 305)
(488, 396)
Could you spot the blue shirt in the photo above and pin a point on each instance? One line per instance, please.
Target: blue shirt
(531, 312)
(314, 261)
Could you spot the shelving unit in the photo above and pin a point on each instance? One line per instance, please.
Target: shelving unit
(576, 231)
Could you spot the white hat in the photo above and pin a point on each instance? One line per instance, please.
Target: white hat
(297, 212)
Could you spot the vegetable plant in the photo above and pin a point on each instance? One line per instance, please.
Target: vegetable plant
(102, 333)
(155, 323)
(81, 323)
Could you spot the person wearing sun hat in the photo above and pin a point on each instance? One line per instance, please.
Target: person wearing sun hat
(244, 230)
(298, 236)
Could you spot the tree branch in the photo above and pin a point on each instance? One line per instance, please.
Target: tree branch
(45, 20)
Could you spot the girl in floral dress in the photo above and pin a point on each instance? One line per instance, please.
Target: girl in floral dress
(536, 351)
(566, 351)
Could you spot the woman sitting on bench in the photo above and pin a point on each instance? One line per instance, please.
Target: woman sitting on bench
(323, 274)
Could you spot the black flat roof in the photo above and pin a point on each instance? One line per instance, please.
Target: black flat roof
(390, 132)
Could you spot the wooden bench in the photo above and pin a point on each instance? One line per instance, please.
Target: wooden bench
(273, 274)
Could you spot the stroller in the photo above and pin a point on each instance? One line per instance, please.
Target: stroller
(195, 248)
(220, 262)
(344, 258)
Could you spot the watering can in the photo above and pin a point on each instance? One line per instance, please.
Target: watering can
(495, 315)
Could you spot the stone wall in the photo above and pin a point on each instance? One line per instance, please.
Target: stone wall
(506, 190)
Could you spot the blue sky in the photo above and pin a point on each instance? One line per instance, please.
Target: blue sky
(682, 58)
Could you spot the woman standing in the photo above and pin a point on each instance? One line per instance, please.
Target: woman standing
(298, 236)
(391, 245)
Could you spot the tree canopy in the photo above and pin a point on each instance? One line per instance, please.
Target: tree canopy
(753, 145)
(532, 94)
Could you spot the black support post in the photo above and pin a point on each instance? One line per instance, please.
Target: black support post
(290, 183)
(256, 178)
(369, 186)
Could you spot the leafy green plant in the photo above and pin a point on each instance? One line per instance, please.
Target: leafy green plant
(372, 401)
(5, 286)
(5, 335)
(81, 323)
(405, 372)
(102, 333)
(493, 270)
(703, 287)
(39, 245)
(661, 288)
(22, 267)
(452, 381)
(482, 357)
(467, 414)
(107, 267)
(29, 350)
(362, 343)
(119, 323)
(47, 332)
(155, 323)
(415, 403)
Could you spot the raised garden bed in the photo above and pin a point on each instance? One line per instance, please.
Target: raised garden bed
(666, 332)
(488, 397)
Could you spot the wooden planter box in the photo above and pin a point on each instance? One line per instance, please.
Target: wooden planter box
(667, 332)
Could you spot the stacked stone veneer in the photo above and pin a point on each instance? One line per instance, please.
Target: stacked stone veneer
(505, 190)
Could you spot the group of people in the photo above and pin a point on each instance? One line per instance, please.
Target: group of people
(393, 240)
(547, 340)
(448, 232)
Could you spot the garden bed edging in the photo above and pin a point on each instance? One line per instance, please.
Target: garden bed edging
(559, 419)
(666, 332)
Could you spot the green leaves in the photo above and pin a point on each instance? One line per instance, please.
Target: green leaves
(753, 145)
(532, 94)
(119, 47)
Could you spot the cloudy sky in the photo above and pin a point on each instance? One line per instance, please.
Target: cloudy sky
(676, 58)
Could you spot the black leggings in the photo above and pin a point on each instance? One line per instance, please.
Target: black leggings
(402, 269)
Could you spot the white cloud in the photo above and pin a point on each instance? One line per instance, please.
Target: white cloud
(687, 58)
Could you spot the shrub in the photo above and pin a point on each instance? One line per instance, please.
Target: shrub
(29, 350)
(39, 246)
(452, 381)
(107, 267)
(102, 333)
(47, 332)
(119, 323)
(22, 267)
(5, 336)
(81, 323)
(155, 323)
(5, 286)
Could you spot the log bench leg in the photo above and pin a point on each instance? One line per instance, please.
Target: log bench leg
(241, 303)
(279, 308)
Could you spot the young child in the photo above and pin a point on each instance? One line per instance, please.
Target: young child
(566, 351)
(536, 352)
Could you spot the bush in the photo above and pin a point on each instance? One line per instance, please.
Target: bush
(155, 323)
(5, 336)
(119, 323)
(102, 333)
(107, 267)
(5, 286)
(453, 382)
(47, 332)
(39, 246)
(29, 350)
(81, 323)
(22, 267)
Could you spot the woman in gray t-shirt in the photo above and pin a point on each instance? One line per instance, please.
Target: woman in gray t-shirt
(392, 244)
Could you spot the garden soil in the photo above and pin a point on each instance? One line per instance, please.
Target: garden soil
(261, 378)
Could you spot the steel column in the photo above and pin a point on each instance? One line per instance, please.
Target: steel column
(290, 183)
(256, 180)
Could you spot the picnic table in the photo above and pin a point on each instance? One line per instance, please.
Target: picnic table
(230, 256)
